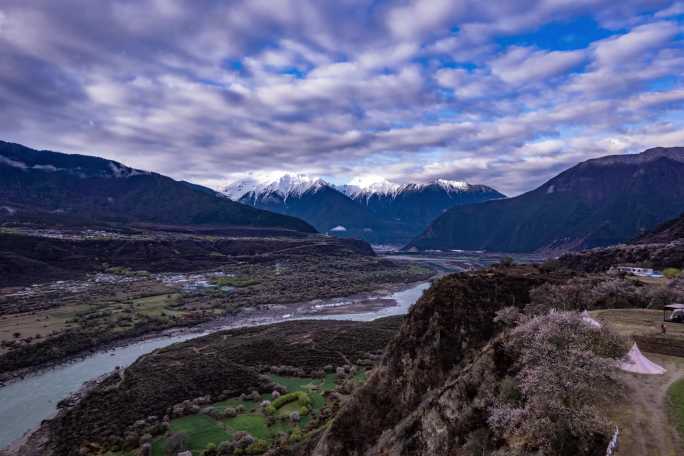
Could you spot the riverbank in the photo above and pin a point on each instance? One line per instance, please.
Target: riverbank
(26, 401)
(265, 314)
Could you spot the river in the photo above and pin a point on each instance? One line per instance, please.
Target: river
(26, 402)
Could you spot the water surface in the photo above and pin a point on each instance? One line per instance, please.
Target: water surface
(25, 403)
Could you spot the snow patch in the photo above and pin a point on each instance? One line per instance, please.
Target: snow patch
(120, 171)
(48, 168)
(12, 163)
(338, 228)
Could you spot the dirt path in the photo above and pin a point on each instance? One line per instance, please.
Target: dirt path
(645, 427)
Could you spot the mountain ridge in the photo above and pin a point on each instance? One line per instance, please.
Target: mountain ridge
(378, 211)
(595, 203)
(41, 185)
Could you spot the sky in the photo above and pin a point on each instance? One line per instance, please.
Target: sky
(503, 93)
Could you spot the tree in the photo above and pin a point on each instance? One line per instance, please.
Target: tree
(175, 443)
(550, 405)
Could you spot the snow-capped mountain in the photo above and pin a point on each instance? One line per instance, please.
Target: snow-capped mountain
(306, 197)
(411, 207)
(368, 185)
(283, 185)
(369, 207)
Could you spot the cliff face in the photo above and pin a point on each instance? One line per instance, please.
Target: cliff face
(440, 373)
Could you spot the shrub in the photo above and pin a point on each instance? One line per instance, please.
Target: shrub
(176, 443)
(296, 435)
(672, 273)
(258, 447)
(603, 292)
(301, 397)
(211, 450)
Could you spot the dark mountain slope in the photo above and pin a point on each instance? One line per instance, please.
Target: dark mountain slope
(596, 203)
(415, 205)
(390, 214)
(670, 231)
(44, 185)
(26, 259)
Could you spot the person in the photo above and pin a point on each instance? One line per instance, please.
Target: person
(662, 328)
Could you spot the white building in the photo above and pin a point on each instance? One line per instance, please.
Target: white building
(641, 272)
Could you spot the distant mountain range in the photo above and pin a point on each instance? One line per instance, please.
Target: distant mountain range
(379, 211)
(596, 203)
(413, 206)
(51, 187)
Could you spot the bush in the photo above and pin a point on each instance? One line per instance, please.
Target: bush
(301, 397)
(296, 435)
(258, 447)
(238, 282)
(211, 450)
(601, 292)
(176, 443)
(229, 412)
(672, 273)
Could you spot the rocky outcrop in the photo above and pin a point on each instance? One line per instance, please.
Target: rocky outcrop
(439, 374)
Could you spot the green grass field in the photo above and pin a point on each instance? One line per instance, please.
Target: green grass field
(675, 398)
(201, 430)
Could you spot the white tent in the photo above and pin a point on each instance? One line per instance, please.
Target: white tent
(635, 362)
(590, 321)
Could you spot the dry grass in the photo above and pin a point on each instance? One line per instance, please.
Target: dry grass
(642, 412)
(40, 323)
(640, 322)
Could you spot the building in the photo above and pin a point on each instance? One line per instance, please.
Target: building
(641, 272)
(674, 313)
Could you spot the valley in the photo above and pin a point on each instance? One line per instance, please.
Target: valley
(105, 295)
(356, 228)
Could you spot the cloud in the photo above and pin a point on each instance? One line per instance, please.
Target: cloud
(624, 48)
(414, 90)
(520, 65)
